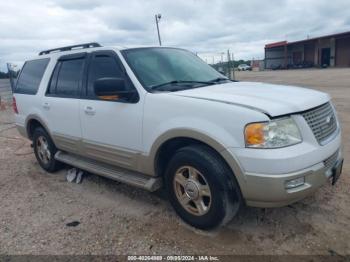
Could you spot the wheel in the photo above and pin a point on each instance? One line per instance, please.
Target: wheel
(45, 150)
(202, 188)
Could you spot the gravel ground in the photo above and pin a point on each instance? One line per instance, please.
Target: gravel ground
(111, 218)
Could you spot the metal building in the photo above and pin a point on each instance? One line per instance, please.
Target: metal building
(331, 50)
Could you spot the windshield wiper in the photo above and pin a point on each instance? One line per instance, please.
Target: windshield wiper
(179, 82)
(211, 82)
(219, 79)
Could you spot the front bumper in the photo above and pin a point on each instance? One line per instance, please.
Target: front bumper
(270, 190)
(262, 174)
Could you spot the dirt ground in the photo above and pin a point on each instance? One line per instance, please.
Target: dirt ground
(35, 207)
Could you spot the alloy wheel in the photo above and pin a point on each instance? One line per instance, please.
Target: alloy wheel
(192, 190)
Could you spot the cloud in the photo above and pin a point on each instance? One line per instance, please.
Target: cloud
(77, 4)
(206, 27)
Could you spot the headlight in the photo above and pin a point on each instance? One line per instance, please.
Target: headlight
(273, 134)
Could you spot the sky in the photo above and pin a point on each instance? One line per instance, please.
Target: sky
(205, 27)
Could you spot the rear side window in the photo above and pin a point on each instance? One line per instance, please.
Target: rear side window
(67, 78)
(31, 75)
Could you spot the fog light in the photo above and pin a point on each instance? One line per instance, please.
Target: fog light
(295, 182)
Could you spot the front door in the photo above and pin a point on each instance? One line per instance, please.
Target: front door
(297, 58)
(111, 129)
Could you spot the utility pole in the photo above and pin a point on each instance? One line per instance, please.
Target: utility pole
(222, 62)
(158, 17)
(231, 65)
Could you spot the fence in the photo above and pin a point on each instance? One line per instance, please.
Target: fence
(221, 61)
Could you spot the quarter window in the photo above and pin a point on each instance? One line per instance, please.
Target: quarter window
(31, 75)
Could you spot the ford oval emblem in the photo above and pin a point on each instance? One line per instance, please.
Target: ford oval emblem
(329, 120)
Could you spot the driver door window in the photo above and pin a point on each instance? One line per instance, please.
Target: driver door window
(102, 65)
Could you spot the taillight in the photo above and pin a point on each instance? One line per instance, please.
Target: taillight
(14, 105)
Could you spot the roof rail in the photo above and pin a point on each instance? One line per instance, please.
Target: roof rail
(71, 47)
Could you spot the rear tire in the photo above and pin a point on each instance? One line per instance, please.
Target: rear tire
(201, 187)
(45, 150)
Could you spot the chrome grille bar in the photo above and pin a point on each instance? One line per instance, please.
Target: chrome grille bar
(322, 121)
(330, 161)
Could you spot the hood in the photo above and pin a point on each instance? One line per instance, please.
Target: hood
(271, 99)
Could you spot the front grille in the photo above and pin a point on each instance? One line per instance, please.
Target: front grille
(330, 161)
(322, 121)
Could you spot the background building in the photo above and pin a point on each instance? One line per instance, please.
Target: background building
(331, 50)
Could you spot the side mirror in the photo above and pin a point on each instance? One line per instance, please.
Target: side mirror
(110, 88)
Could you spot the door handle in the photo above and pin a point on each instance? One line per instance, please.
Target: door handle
(46, 105)
(89, 110)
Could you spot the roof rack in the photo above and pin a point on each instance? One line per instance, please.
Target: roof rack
(71, 47)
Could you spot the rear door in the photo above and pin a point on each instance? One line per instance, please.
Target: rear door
(112, 129)
(61, 102)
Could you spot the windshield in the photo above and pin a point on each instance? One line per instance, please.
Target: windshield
(169, 67)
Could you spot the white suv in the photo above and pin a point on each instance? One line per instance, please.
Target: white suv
(161, 117)
(244, 67)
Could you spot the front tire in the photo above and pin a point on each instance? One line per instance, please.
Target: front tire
(45, 150)
(201, 187)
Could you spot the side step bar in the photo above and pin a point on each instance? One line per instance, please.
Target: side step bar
(119, 174)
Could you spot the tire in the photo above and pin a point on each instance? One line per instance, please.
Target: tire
(190, 173)
(45, 157)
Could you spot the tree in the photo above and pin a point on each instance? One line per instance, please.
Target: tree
(3, 75)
